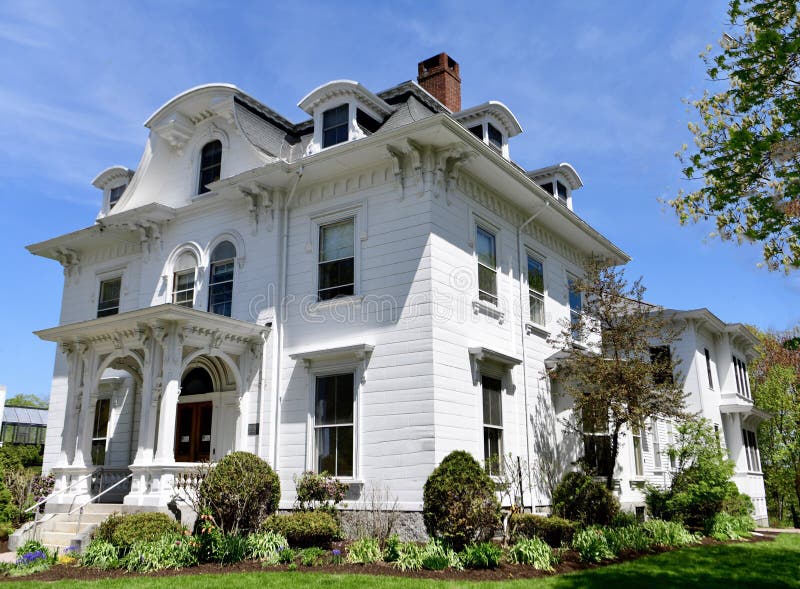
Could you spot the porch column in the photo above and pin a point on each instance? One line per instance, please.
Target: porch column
(147, 412)
(173, 356)
(84, 432)
(74, 352)
(249, 369)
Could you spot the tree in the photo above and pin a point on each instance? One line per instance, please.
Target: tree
(608, 367)
(22, 400)
(776, 389)
(747, 144)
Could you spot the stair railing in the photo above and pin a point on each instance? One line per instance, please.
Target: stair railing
(79, 509)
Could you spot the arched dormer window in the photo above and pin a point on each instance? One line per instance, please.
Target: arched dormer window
(183, 279)
(210, 165)
(220, 284)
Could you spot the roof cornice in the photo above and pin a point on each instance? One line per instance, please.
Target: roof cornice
(339, 88)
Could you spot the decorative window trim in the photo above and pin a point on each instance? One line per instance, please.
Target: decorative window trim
(481, 305)
(531, 326)
(579, 339)
(234, 278)
(203, 137)
(106, 275)
(168, 276)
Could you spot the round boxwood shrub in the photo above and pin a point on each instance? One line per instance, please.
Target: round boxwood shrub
(553, 530)
(124, 530)
(304, 529)
(240, 492)
(578, 497)
(459, 502)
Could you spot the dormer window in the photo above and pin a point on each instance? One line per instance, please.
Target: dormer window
(335, 124)
(495, 136)
(210, 165)
(114, 195)
(557, 189)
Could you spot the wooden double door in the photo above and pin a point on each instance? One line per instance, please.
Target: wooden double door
(193, 432)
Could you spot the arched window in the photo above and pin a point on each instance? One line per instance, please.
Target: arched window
(183, 278)
(220, 284)
(210, 165)
(197, 382)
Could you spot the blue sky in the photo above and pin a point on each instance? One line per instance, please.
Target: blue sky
(596, 84)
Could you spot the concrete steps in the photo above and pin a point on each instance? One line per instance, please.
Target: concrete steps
(58, 531)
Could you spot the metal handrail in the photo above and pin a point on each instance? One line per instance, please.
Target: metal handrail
(67, 488)
(119, 482)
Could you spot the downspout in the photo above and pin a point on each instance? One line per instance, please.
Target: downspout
(522, 306)
(280, 315)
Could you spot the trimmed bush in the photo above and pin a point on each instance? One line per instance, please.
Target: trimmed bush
(556, 531)
(124, 530)
(240, 492)
(592, 545)
(459, 502)
(580, 498)
(304, 528)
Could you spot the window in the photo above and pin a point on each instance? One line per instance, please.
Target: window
(210, 165)
(183, 280)
(596, 442)
(751, 450)
(335, 125)
(708, 368)
(492, 423)
(333, 424)
(220, 284)
(661, 359)
(487, 265)
(108, 301)
(477, 130)
(656, 446)
(100, 431)
(114, 195)
(638, 460)
(673, 460)
(336, 260)
(575, 307)
(742, 383)
(536, 289)
(548, 187)
(495, 136)
(562, 192)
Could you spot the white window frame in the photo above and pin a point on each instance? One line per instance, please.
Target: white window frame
(529, 253)
(108, 428)
(751, 452)
(329, 217)
(175, 291)
(637, 454)
(484, 122)
(578, 337)
(657, 458)
(499, 376)
(104, 276)
(491, 228)
(211, 133)
(332, 368)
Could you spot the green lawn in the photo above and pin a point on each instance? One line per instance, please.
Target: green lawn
(766, 564)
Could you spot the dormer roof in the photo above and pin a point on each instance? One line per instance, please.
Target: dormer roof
(564, 169)
(110, 175)
(498, 110)
(342, 88)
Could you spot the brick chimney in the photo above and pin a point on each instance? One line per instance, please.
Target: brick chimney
(439, 76)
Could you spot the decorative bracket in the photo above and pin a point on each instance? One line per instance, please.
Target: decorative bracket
(69, 259)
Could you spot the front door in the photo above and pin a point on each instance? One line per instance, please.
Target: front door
(193, 432)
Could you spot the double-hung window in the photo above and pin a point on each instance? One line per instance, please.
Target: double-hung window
(210, 165)
(333, 424)
(100, 431)
(487, 265)
(336, 274)
(536, 289)
(575, 307)
(108, 299)
(656, 445)
(596, 441)
(751, 450)
(220, 284)
(492, 423)
(115, 194)
(335, 125)
(742, 382)
(638, 458)
(183, 280)
(661, 359)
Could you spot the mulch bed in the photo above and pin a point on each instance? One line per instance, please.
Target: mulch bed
(569, 564)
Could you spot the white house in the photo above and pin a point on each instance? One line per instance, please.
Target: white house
(360, 293)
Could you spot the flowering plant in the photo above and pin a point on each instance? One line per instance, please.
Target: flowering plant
(319, 491)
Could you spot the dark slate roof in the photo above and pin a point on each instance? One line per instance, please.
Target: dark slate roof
(25, 415)
(409, 112)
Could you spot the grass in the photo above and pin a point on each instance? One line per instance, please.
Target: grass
(764, 564)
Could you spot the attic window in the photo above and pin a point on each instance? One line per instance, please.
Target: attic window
(114, 195)
(495, 136)
(562, 192)
(548, 187)
(210, 165)
(366, 122)
(335, 125)
(477, 130)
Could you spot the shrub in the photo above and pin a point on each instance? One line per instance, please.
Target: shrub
(128, 529)
(591, 545)
(304, 528)
(738, 504)
(171, 551)
(100, 554)
(319, 491)
(484, 555)
(437, 557)
(624, 519)
(580, 498)
(724, 526)
(229, 548)
(534, 552)
(286, 556)
(634, 538)
(669, 534)
(265, 546)
(409, 557)
(364, 551)
(459, 502)
(240, 491)
(392, 550)
(553, 530)
(6, 529)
